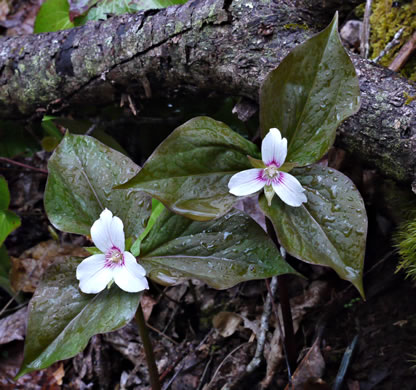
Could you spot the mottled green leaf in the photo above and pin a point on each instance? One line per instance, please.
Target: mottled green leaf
(330, 229)
(9, 221)
(81, 127)
(62, 319)
(53, 15)
(82, 174)
(102, 9)
(309, 94)
(190, 170)
(4, 194)
(220, 252)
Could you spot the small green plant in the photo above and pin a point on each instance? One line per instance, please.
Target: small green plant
(197, 174)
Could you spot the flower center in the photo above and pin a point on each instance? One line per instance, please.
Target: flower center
(271, 172)
(114, 256)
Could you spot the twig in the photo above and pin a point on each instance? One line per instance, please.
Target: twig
(289, 334)
(345, 363)
(159, 332)
(224, 360)
(276, 313)
(170, 368)
(404, 54)
(10, 161)
(201, 381)
(365, 35)
(264, 327)
(394, 42)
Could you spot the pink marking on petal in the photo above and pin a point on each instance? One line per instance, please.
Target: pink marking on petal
(114, 257)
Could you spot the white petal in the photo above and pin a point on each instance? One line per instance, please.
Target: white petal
(288, 188)
(129, 276)
(107, 232)
(132, 265)
(92, 274)
(246, 182)
(274, 148)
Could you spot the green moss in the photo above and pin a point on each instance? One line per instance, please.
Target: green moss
(405, 238)
(359, 11)
(296, 26)
(385, 22)
(409, 98)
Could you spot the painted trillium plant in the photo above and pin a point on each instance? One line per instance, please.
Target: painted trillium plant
(178, 211)
(114, 264)
(269, 177)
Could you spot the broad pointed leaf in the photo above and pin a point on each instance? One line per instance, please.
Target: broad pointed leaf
(82, 174)
(190, 170)
(53, 16)
(4, 194)
(330, 229)
(62, 319)
(309, 94)
(102, 9)
(221, 252)
(9, 221)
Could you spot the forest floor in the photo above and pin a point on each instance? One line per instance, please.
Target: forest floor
(205, 338)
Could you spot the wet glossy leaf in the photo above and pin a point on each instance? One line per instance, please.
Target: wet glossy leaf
(220, 252)
(9, 221)
(190, 170)
(62, 319)
(80, 127)
(82, 174)
(330, 229)
(53, 16)
(309, 94)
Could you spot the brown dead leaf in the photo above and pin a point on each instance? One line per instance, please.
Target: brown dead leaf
(21, 17)
(226, 323)
(13, 327)
(59, 374)
(147, 303)
(28, 268)
(10, 360)
(4, 10)
(300, 305)
(310, 368)
(353, 385)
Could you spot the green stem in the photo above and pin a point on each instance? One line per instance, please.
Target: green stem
(283, 293)
(148, 349)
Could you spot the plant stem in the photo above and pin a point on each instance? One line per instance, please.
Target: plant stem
(148, 349)
(289, 337)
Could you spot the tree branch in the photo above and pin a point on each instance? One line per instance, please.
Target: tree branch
(223, 46)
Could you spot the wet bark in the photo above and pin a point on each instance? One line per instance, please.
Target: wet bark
(221, 46)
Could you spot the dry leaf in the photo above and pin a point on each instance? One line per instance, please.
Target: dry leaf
(28, 268)
(147, 303)
(226, 323)
(13, 327)
(310, 368)
(300, 305)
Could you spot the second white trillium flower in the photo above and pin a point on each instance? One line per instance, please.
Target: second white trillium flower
(114, 264)
(273, 180)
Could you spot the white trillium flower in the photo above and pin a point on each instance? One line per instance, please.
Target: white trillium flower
(114, 264)
(273, 180)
